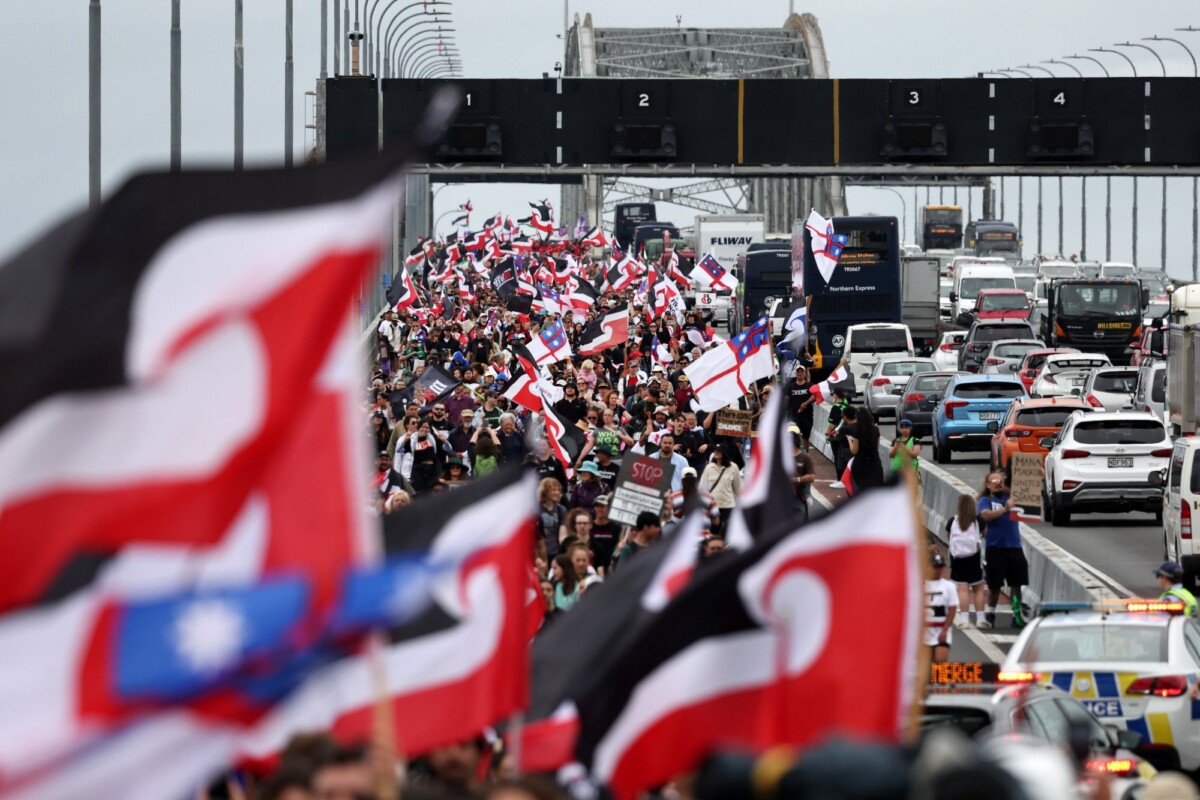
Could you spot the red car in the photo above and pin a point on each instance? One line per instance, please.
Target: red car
(1002, 304)
(1152, 345)
(1033, 361)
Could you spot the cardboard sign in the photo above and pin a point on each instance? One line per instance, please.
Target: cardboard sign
(734, 422)
(1026, 485)
(642, 485)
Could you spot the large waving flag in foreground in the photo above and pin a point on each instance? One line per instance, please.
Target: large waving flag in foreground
(826, 244)
(764, 648)
(767, 501)
(184, 411)
(724, 374)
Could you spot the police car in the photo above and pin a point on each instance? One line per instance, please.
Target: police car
(1133, 663)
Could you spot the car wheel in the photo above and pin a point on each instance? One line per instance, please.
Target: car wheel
(1062, 517)
(1158, 517)
(1047, 508)
(941, 452)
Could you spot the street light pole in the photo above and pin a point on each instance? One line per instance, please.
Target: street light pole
(238, 86)
(1065, 64)
(287, 84)
(1195, 181)
(1153, 52)
(337, 37)
(1108, 181)
(324, 39)
(176, 67)
(94, 103)
(1043, 69)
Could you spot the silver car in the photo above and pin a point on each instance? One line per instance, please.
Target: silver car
(1063, 374)
(1151, 392)
(1110, 388)
(946, 355)
(889, 376)
(1006, 355)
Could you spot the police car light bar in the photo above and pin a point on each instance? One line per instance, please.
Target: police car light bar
(1123, 767)
(1137, 605)
(1154, 606)
(1016, 677)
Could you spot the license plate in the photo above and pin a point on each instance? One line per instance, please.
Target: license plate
(1078, 381)
(1120, 462)
(989, 415)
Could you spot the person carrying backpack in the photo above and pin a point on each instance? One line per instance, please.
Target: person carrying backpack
(966, 560)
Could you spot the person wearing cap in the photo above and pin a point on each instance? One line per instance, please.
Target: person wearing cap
(941, 604)
(589, 487)
(607, 467)
(604, 537)
(692, 496)
(906, 448)
(454, 474)
(1170, 580)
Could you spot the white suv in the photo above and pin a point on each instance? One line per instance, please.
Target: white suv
(1102, 462)
(1063, 374)
(1181, 502)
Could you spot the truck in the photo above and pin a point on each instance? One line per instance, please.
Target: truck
(920, 280)
(994, 237)
(726, 236)
(1183, 361)
(1095, 315)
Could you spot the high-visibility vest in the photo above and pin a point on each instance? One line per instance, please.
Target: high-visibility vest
(1179, 593)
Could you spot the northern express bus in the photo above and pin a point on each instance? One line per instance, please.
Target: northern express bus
(865, 286)
(941, 227)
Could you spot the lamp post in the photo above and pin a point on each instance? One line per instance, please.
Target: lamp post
(1153, 52)
(176, 62)
(239, 96)
(1133, 67)
(383, 33)
(1035, 66)
(1014, 69)
(1107, 178)
(94, 103)
(1195, 181)
(287, 83)
(446, 70)
(431, 59)
(903, 210)
(1163, 222)
(422, 18)
(419, 46)
(1072, 67)
(1082, 188)
(1095, 61)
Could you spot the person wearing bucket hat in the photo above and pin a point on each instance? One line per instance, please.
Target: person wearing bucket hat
(589, 487)
(455, 472)
(941, 604)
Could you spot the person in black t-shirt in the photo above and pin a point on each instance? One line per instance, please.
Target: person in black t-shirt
(608, 468)
(604, 537)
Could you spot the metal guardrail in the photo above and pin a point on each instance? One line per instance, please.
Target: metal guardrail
(1054, 574)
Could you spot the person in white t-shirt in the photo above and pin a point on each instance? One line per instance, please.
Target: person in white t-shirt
(966, 561)
(941, 603)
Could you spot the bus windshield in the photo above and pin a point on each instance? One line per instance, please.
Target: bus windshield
(1099, 300)
(970, 287)
(879, 340)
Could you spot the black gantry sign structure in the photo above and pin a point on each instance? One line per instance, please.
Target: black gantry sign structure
(769, 125)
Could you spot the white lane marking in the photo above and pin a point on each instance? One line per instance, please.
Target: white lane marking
(825, 502)
(980, 640)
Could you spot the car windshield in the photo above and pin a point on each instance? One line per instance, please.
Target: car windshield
(1157, 309)
(1119, 271)
(1115, 382)
(879, 340)
(906, 368)
(1045, 417)
(1058, 270)
(988, 391)
(971, 287)
(1014, 350)
(994, 333)
(1003, 302)
(1026, 283)
(1120, 431)
(929, 383)
(1097, 643)
(1100, 300)
(969, 721)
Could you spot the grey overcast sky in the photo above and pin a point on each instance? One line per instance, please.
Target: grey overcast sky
(43, 127)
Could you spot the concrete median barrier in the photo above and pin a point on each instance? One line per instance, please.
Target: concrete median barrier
(1054, 574)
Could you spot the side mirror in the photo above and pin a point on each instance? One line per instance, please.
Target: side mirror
(993, 426)
(1031, 373)
(1145, 296)
(1158, 478)
(1122, 737)
(1046, 442)
(954, 297)
(1013, 367)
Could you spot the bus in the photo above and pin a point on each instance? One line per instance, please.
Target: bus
(994, 237)
(941, 227)
(627, 216)
(865, 286)
(762, 275)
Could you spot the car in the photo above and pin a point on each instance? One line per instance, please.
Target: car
(982, 333)
(1110, 388)
(920, 398)
(1013, 705)
(1181, 499)
(1150, 395)
(885, 384)
(1130, 662)
(866, 343)
(1116, 269)
(1033, 361)
(969, 403)
(1100, 462)
(1027, 422)
(1150, 347)
(1005, 355)
(945, 287)
(1002, 304)
(946, 354)
(1065, 374)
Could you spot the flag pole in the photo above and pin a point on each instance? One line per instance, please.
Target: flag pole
(384, 733)
(516, 727)
(913, 723)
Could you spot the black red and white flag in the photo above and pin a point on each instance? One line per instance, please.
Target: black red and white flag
(148, 507)
(564, 663)
(468, 653)
(768, 499)
(566, 439)
(467, 207)
(402, 293)
(765, 649)
(477, 240)
(542, 217)
(520, 244)
(463, 220)
(595, 238)
(674, 271)
(610, 330)
(492, 224)
(581, 295)
(624, 273)
(416, 256)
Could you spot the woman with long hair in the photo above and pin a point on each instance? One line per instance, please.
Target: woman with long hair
(428, 454)
(551, 514)
(567, 589)
(723, 481)
(966, 560)
(866, 470)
